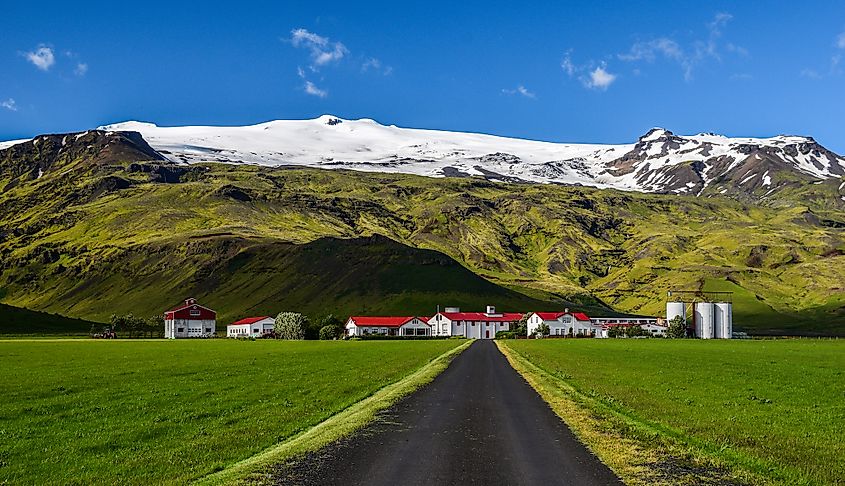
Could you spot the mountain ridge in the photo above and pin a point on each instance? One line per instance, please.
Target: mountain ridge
(659, 161)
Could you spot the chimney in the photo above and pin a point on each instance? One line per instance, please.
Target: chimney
(491, 309)
(566, 310)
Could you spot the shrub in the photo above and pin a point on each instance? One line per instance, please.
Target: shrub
(313, 328)
(635, 331)
(615, 332)
(330, 332)
(521, 327)
(542, 330)
(290, 325)
(677, 328)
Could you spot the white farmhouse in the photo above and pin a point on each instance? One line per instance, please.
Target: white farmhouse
(563, 323)
(251, 327)
(473, 325)
(388, 326)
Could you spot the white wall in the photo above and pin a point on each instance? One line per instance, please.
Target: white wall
(190, 328)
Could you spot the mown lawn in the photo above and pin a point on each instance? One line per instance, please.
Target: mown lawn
(153, 412)
(776, 408)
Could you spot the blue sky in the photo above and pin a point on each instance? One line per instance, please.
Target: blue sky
(559, 71)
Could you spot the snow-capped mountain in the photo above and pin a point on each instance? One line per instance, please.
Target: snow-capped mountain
(658, 162)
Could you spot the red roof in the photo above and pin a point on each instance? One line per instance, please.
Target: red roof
(551, 316)
(480, 316)
(185, 304)
(249, 320)
(379, 321)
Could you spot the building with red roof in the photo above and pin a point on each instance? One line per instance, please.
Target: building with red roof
(563, 323)
(473, 325)
(388, 326)
(251, 327)
(189, 320)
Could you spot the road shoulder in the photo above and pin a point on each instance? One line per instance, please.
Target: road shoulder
(637, 452)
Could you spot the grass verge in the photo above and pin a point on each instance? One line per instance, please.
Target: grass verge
(639, 452)
(250, 470)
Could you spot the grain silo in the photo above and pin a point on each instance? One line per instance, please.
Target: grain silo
(723, 320)
(704, 320)
(674, 309)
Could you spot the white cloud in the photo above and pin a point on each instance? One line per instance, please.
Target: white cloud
(810, 73)
(567, 65)
(42, 57)
(521, 90)
(9, 104)
(323, 51)
(376, 65)
(81, 69)
(741, 77)
(371, 63)
(599, 78)
(648, 51)
(311, 89)
(688, 58)
(309, 86)
(840, 41)
(590, 75)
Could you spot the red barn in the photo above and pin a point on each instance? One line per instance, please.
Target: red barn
(190, 320)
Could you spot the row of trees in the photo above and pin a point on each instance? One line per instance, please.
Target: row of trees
(130, 325)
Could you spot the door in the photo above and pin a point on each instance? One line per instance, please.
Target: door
(487, 334)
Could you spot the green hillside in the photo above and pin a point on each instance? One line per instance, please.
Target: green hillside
(93, 237)
(14, 320)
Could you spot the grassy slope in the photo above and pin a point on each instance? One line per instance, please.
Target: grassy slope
(555, 243)
(168, 412)
(771, 407)
(14, 320)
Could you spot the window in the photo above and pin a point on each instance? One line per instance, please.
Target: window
(180, 329)
(207, 329)
(473, 324)
(195, 312)
(255, 331)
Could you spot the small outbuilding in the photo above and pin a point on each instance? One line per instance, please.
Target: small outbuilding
(251, 327)
(387, 326)
(190, 320)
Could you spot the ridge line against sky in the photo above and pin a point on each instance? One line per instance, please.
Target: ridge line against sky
(571, 72)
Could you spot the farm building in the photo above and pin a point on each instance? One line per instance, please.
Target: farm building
(189, 320)
(388, 326)
(251, 327)
(563, 323)
(641, 321)
(652, 328)
(477, 325)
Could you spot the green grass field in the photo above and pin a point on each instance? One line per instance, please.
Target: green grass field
(167, 412)
(774, 408)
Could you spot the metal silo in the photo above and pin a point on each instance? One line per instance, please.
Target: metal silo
(674, 309)
(723, 322)
(704, 320)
